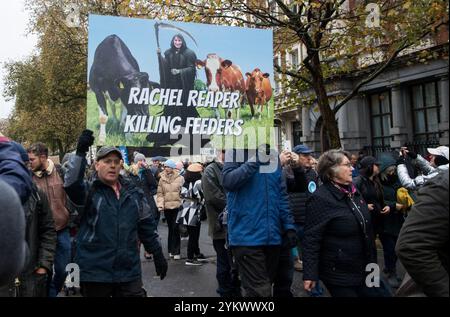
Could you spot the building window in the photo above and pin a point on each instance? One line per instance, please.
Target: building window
(297, 133)
(293, 58)
(381, 118)
(425, 107)
(273, 7)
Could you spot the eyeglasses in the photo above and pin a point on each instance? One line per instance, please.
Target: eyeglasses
(347, 164)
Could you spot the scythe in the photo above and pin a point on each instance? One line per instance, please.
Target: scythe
(162, 25)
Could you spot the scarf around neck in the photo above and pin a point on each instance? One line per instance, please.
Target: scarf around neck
(47, 171)
(348, 190)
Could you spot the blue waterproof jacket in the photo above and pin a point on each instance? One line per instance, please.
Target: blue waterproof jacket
(257, 201)
(110, 228)
(13, 170)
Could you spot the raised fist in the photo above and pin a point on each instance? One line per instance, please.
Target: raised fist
(85, 140)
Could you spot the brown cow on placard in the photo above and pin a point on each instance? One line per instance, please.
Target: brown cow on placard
(223, 75)
(259, 90)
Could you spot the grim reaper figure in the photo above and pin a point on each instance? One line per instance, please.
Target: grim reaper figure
(177, 71)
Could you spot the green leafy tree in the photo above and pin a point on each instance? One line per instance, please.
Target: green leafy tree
(338, 42)
(50, 87)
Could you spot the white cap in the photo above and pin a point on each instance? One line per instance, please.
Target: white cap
(440, 150)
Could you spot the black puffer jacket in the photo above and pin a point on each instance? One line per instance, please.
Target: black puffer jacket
(338, 240)
(301, 184)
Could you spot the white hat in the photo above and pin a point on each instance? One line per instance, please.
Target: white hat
(440, 150)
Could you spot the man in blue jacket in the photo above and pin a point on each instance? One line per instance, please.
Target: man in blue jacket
(259, 220)
(114, 216)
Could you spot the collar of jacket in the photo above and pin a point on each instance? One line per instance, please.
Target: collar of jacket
(48, 171)
(337, 193)
(170, 178)
(219, 164)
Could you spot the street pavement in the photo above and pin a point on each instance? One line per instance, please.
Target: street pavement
(200, 281)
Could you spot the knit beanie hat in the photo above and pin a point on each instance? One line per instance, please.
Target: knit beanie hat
(138, 157)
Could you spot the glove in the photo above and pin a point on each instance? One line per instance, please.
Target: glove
(160, 264)
(400, 160)
(85, 140)
(412, 155)
(175, 71)
(290, 239)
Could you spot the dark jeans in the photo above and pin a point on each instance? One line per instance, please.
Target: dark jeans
(285, 274)
(33, 285)
(227, 273)
(257, 268)
(30, 285)
(194, 235)
(173, 242)
(317, 291)
(129, 289)
(390, 258)
(62, 258)
(157, 217)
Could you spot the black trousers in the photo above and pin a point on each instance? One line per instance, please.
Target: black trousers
(357, 291)
(227, 273)
(129, 289)
(258, 268)
(194, 235)
(173, 239)
(285, 274)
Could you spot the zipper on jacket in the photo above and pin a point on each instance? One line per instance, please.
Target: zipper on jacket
(362, 217)
(94, 223)
(267, 211)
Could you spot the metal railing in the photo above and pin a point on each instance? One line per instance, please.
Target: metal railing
(420, 147)
(375, 150)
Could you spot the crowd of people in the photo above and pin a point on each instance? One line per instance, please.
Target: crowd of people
(269, 214)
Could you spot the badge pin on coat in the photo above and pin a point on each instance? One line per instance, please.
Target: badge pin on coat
(312, 187)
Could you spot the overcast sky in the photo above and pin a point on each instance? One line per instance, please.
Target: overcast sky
(16, 44)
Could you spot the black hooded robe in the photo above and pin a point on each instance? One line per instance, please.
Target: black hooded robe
(184, 60)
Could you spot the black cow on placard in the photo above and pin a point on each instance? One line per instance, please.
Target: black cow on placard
(115, 71)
